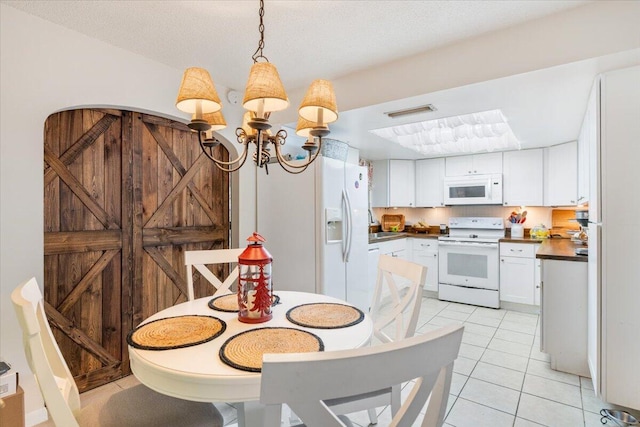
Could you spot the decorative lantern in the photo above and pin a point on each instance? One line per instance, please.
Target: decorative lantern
(255, 294)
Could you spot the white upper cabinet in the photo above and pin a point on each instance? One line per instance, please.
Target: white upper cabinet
(588, 138)
(476, 164)
(561, 174)
(523, 178)
(429, 182)
(393, 183)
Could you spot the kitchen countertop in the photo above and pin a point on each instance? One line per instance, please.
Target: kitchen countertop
(560, 249)
(400, 235)
(520, 240)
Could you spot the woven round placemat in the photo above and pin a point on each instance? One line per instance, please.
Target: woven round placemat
(229, 303)
(325, 315)
(176, 332)
(244, 351)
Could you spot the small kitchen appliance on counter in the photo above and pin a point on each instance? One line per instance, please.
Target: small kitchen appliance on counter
(582, 236)
(468, 261)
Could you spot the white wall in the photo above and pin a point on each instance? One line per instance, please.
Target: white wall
(46, 68)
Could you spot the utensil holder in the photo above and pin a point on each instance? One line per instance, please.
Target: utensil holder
(517, 231)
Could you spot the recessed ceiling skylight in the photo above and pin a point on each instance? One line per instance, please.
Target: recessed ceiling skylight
(470, 133)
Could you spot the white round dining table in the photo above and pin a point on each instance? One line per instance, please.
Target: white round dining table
(196, 373)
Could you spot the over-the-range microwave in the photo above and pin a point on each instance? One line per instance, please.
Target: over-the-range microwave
(473, 190)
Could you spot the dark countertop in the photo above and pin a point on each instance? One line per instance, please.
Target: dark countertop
(520, 240)
(402, 235)
(560, 249)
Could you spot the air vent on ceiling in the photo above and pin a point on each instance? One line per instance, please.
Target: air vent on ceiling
(415, 110)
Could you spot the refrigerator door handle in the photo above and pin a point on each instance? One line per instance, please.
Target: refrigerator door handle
(349, 227)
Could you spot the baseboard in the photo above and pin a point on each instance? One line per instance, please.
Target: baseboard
(36, 417)
(523, 308)
(429, 294)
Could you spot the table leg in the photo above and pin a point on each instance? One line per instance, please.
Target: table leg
(250, 414)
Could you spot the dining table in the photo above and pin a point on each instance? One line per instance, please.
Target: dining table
(198, 373)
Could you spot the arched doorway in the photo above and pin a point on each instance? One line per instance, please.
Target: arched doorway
(125, 194)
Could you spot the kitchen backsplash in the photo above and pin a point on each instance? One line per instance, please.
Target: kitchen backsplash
(435, 216)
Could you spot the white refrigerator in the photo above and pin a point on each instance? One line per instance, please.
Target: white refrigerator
(613, 346)
(316, 228)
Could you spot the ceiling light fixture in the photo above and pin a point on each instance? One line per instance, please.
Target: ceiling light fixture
(263, 95)
(468, 133)
(415, 110)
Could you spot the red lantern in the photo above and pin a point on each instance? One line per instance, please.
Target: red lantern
(255, 293)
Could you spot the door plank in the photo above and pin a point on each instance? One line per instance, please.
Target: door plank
(182, 235)
(88, 138)
(77, 188)
(86, 281)
(180, 186)
(78, 336)
(168, 269)
(177, 164)
(126, 297)
(64, 242)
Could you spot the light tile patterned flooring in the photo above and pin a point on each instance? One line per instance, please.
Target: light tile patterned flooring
(500, 377)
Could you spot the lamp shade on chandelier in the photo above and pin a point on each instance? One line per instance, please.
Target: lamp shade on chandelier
(264, 94)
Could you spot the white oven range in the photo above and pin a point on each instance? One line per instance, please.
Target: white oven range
(468, 261)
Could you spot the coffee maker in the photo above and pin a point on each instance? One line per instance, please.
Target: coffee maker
(582, 217)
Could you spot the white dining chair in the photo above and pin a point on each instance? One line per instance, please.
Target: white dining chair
(302, 380)
(200, 259)
(395, 310)
(136, 406)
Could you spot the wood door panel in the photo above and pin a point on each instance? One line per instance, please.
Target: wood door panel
(125, 195)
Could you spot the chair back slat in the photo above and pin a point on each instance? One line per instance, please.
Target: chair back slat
(201, 259)
(301, 380)
(397, 297)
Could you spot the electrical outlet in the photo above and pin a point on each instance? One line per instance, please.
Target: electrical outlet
(4, 388)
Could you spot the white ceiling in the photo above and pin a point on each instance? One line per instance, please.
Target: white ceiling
(311, 39)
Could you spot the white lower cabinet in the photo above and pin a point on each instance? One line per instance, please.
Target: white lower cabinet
(518, 273)
(425, 252)
(563, 315)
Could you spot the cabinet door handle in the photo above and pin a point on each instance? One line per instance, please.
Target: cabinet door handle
(502, 260)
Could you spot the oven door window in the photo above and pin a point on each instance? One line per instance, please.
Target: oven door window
(468, 191)
(468, 265)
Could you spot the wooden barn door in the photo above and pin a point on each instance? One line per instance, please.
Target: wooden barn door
(125, 194)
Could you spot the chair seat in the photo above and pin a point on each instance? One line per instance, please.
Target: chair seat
(140, 406)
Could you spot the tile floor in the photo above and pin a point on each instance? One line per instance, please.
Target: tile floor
(500, 377)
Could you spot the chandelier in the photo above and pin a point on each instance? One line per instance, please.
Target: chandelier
(264, 94)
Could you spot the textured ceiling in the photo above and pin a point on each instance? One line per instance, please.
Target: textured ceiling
(305, 39)
(309, 39)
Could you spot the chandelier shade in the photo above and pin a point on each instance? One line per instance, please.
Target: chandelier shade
(319, 103)
(264, 92)
(303, 127)
(197, 94)
(216, 120)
